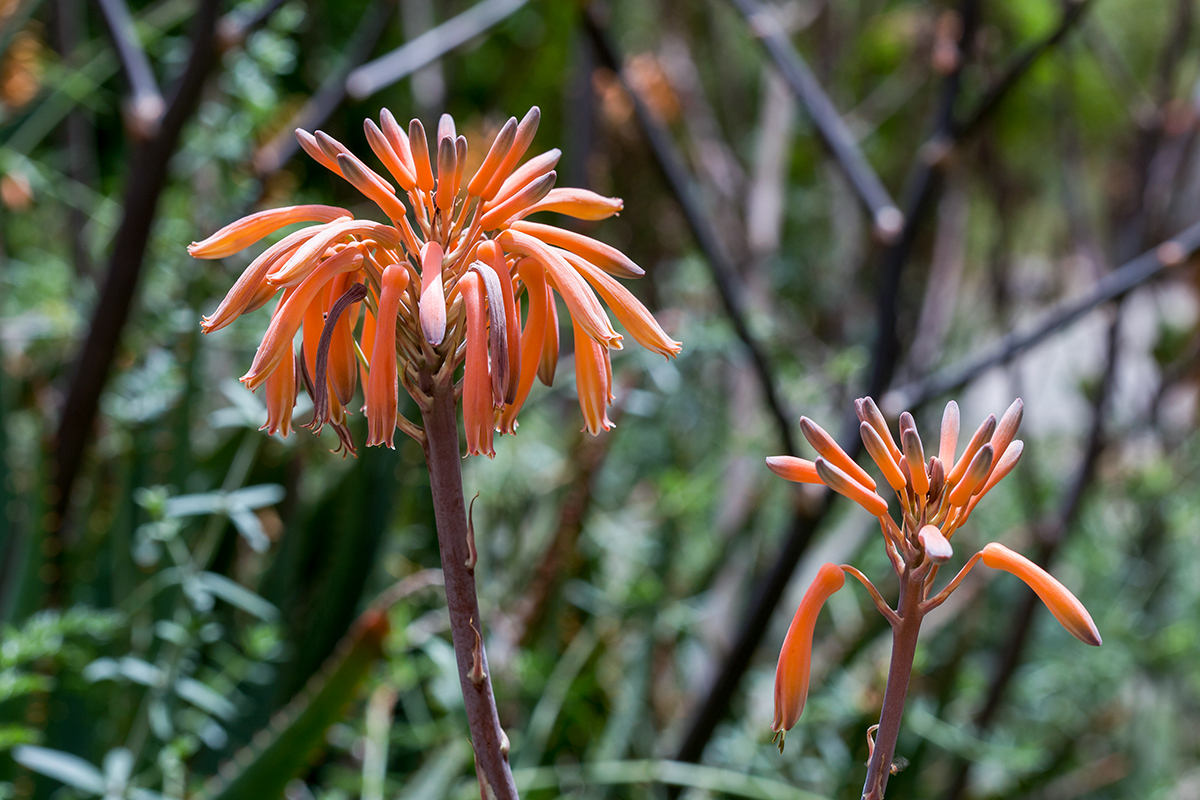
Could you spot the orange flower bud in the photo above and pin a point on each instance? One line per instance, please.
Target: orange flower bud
(878, 451)
(914, 455)
(499, 149)
(381, 383)
(981, 437)
(973, 478)
(949, 440)
(843, 484)
(521, 141)
(795, 658)
(796, 470)
(419, 145)
(869, 412)
(832, 452)
(540, 301)
(1065, 607)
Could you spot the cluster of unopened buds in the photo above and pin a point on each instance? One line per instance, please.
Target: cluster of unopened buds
(936, 496)
(442, 284)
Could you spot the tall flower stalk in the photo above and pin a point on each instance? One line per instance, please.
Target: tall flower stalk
(936, 497)
(431, 301)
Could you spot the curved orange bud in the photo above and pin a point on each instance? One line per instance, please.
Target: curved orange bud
(832, 452)
(387, 154)
(914, 454)
(286, 321)
(499, 149)
(604, 256)
(580, 299)
(419, 146)
(304, 259)
(246, 289)
(878, 451)
(522, 138)
(796, 470)
(367, 181)
(447, 166)
(844, 485)
(593, 380)
(1065, 607)
(309, 144)
(973, 478)
(949, 441)
(237, 236)
(577, 203)
(1006, 429)
(981, 437)
(869, 413)
(531, 170)
(935, 544)
(1004, 466)
(629, 311)
(398, 139)
(477, 384)
(530, 194)
(382, 389)
(795, 658)
(432, 304)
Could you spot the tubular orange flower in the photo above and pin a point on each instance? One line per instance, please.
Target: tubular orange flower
(577, 203)
(593, 380)
(1065, 607)
(477, 391)
(237, 236)
(795, 658)
(382, 392)
(832, 452)
(843, 484)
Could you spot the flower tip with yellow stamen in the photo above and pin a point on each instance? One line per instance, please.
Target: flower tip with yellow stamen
(1065, 607)
(795, 657)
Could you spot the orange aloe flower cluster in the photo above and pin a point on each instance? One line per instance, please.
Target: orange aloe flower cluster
(441, 283)
(936, 496)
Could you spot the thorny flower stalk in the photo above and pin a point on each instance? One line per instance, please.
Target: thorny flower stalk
(936, 496)
(431, 301)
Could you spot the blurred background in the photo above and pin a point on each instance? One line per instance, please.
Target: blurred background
(918, 200)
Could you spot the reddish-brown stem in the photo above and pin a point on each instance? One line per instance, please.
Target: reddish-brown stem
(904, 648)
(445, 481)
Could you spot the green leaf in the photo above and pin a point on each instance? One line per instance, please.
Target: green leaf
(237, 595)
(63, 767)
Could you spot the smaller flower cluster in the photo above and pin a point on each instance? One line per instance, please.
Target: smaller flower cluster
(936, 496)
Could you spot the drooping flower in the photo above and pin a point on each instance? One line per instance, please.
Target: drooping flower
(441, 282)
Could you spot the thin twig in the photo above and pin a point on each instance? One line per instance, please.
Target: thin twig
(671, 164)
(271, 157)
(146, 181)
(1117, 284)
(887, 218)
(145, 108)
(1017, 70)
(429, 46)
